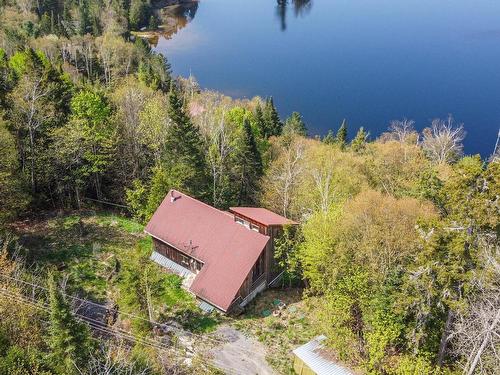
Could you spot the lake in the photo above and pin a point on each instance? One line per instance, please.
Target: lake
(364, 60)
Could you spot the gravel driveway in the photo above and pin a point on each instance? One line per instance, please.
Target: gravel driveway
(240, 355)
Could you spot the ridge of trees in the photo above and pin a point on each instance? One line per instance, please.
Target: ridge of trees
(398, 239)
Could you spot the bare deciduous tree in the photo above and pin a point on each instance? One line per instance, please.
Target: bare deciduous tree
(219, 150)
(112, 361)
(443, 140)
(25, 6)
(31, 111)
(116, 56)
(476, 331)
(284, 176)
(403, 131)
(495, 157)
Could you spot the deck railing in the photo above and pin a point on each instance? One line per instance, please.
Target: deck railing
(258, 281)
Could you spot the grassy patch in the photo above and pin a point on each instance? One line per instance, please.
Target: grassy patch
(106, 256)
(111, 220)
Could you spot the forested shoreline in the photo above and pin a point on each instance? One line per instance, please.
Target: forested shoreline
(397, 248)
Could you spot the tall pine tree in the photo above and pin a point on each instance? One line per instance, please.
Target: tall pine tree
(273, 125)
(248, 165)
(342, 134)
(359, 142)
(184, 157)
(259, 120)
(329, 139)
(68, 339)
(295, 125)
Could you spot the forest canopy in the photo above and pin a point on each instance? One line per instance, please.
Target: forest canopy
(397, 248)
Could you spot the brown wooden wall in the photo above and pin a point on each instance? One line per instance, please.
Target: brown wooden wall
(178, 257)
(273, 231)
(250, 282)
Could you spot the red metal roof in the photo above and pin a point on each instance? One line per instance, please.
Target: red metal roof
(262, 216)
(227, 249)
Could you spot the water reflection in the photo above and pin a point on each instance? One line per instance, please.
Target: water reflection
(174, 18)
(300, 8)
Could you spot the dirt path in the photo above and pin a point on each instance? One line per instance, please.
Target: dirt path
(240, 355)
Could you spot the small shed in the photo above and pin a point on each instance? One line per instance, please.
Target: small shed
(310, 359)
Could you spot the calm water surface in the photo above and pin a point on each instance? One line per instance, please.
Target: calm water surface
(364, 60)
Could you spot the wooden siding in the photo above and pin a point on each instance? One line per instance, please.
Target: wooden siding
(250, 282)
(273, 231)
(177, 256)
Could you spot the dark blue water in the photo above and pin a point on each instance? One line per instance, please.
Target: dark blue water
(366, 61)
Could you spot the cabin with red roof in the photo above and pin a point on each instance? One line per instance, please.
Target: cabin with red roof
(225, 258)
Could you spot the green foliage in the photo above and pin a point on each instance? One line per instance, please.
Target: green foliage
(259, 120)
(390, 249)
(13, 199)
(5, 79)
(294, 125)
(144, 289)
(153, 23)
(341, 138)
(20, 361)
(429, 187)
(139, 13)
(155, 71)
(269, 123)
(84, 17)
(184, 162)
(137, 197)
(69, 339)
(287, 254)
(90, 107)
(411, 365)
(359, 142)
(249, 167)
(354, 257)
(4, 343)
(329, 139)
(84, 146)
(161, 182)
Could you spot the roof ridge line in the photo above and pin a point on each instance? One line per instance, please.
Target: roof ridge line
(225, 214)
(197, 200)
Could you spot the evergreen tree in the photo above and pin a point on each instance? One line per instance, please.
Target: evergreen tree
(68, 339)
(84, 17)
(273, 125)
(46, 24)
(329, 139)
(13, 200)
(341, 138)
(154, 71)
(261, 123)
(153, 23)
(295, 125)
(248, 165)
(139, 13)
(183, 148)
(4, 79)
(359, 141)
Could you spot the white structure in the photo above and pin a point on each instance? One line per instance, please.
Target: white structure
(309, 360)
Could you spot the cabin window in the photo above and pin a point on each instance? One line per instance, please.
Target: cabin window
(242, 222)
(254, 227)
